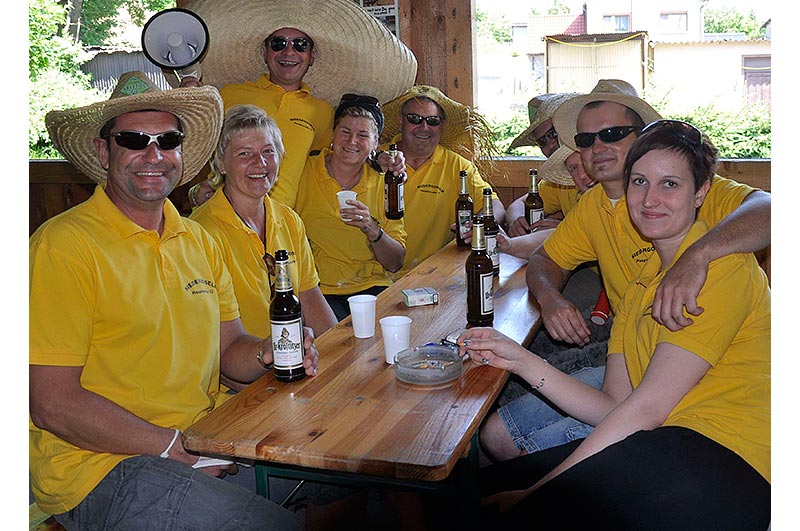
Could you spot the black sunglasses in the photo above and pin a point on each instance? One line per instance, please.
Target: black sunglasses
(609, 136)
(360, 99)
(550, 133)
(137, 140)
(681, 129)
(278, 43)
(416, 119)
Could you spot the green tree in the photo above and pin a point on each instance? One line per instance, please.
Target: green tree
(98, 20)
(729, 20)
(492, 26)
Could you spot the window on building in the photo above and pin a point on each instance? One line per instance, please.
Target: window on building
(616, 23)
(757, 78)
(674, 23)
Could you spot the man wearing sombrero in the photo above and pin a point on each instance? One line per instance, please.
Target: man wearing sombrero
(602, 125)
(431, 130)
(132, 320)
(295, 59)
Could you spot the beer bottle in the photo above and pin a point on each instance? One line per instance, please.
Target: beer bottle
(480, 281)
(286, 321)
(393, 200)
(463, 211)
(534, 206)
(490, 230)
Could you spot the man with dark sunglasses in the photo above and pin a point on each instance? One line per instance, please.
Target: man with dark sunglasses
(606, 123)
(428, 127)
(133, 318)
(295, 90)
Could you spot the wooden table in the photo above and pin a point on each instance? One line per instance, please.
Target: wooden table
(355, 416)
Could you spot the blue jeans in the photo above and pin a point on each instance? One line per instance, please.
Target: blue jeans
(535, 425)
(146, 492)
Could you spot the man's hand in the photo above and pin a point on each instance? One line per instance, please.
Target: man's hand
(564, 322)
(396, 165)
(311, 357)
(679, 288)
(518, 227)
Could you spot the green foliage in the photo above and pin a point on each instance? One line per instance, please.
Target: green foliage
(53, 89)
(100, 20)
(559, 8)
(492, 26)
(505, 133)
(729, 20)
(47, 48)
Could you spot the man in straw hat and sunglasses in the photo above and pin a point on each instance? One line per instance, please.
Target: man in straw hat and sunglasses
(436, 133)
(602, 125)
(295, 59)
(132, 320)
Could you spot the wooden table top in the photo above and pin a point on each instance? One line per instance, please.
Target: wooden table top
(354, 415)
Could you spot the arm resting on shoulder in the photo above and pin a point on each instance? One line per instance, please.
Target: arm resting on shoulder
(746, 230)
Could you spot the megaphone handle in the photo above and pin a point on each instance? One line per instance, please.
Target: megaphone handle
(191, 78)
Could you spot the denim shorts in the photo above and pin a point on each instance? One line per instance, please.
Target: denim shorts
(534, 425)
(147, 492)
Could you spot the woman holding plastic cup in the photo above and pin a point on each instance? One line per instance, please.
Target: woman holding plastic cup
(356, 247)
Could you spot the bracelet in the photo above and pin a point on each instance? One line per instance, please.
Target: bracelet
(541, 382)
(376, 240)
(165, 453)
(260, 358)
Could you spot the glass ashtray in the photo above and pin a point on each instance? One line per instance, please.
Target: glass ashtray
(428, 365)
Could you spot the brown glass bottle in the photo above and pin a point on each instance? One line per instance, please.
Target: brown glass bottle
(480, 280)
(393, 200)
(534, 206)
(490, 230)
(464, 209)
(286, 322)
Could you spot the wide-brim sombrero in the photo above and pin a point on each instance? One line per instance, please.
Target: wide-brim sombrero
(355, 53)
(540, 108)
(565, 118)
(465, 131)
(200, 110)
(554, 169)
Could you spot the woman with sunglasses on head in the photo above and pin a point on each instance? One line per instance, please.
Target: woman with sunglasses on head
(357, 248)
(682, 436)
(249, 226)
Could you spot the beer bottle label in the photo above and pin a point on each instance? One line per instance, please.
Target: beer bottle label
(487, 293)
(287, 344)
(401, 200)
(464, 216)
(491, 249)
(534, 216)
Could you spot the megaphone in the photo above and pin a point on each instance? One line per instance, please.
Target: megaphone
(174, 39)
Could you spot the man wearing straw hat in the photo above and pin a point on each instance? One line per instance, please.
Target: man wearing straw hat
(602, 125)
(295, 59)
(540, 133)
(434, 133)
(132, 320)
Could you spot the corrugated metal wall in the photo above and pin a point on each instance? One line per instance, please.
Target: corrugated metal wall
(106, 68)
(577, 66)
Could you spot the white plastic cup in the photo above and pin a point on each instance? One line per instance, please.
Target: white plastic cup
(362, 314)
(343, 197)
(396, 330)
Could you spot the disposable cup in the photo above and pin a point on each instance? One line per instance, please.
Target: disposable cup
(396, 330)
(343, 196)
(362, 314)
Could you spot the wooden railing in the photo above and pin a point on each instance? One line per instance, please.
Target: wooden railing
(55, 185)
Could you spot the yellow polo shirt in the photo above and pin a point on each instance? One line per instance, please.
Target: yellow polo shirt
(731, 403)
(243, 253)
(344, 258)
(138, 312)
(306, 124)
(430, 197)
(597, 230)
(558, 198)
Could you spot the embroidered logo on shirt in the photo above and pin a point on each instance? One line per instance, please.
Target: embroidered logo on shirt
(637, 256)
(430, 189)
(303, 123)
(200, 285)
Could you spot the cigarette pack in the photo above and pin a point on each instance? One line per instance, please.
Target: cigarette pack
(420, 296)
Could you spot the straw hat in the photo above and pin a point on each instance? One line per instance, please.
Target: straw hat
(540, 109)
(200, 110)
(616, 90)
(554, 169)
(354, 52)
(465, 131)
